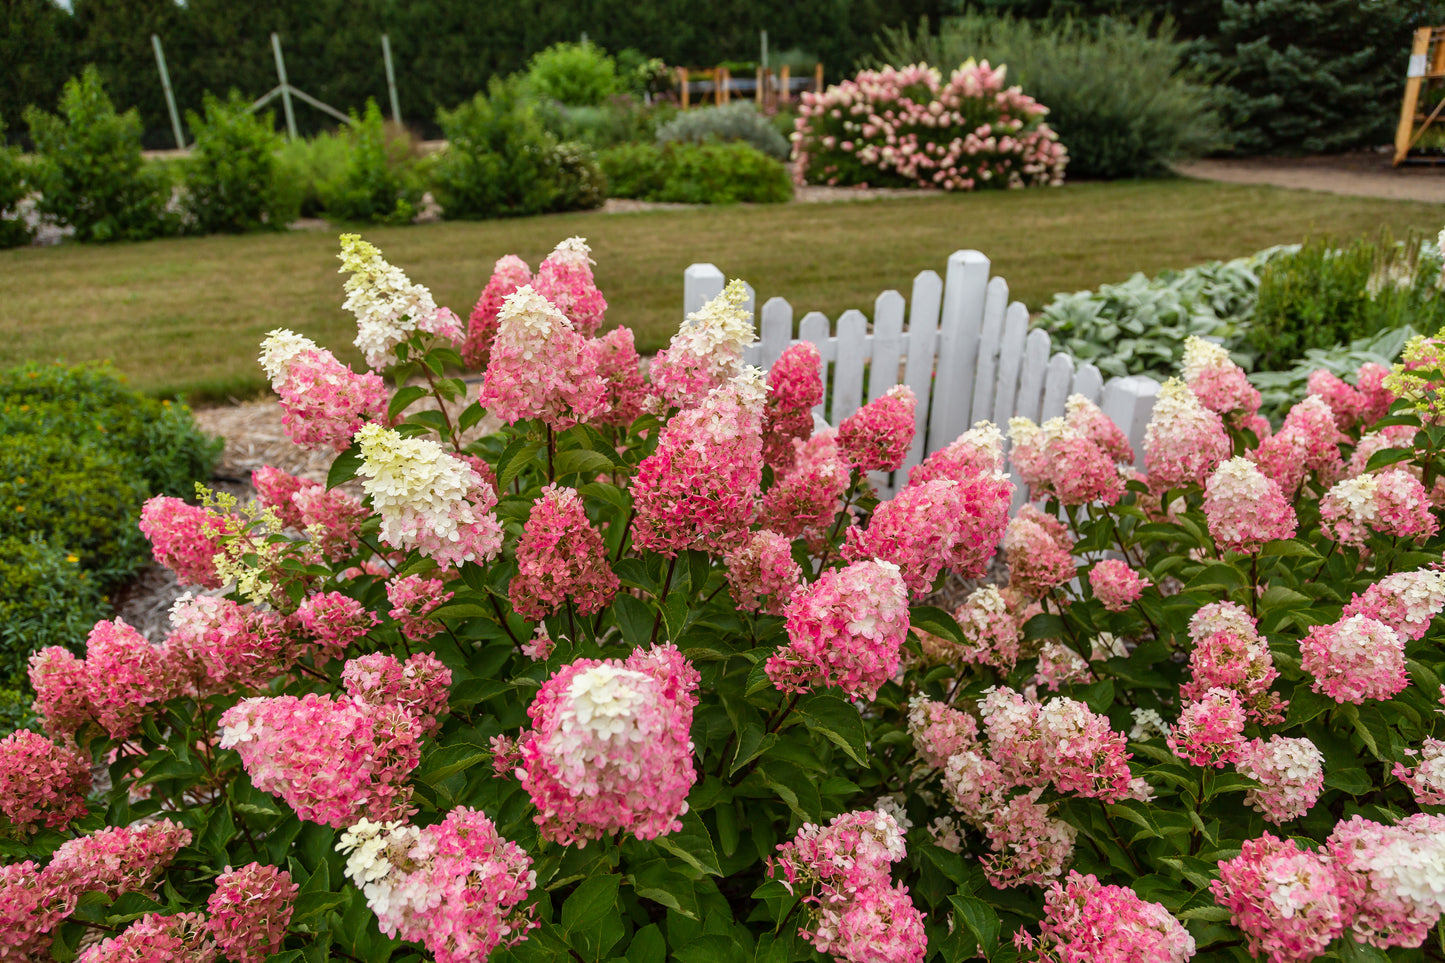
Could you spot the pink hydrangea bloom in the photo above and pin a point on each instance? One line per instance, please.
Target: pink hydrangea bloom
(274, 489)
(707, 351)
(697, 489)
(1210, 730)
(1184, 440)
(1088, 922)
(879, 925)
(540, 366)
(331, 760)
(421, 685)
(333, 621)
(978, 451)
(157, 938)
(413, 599)
(565, 279)
(1245, 509)
(1059, 665)
(846, 629)
(1355, 659)
(1426, 780)
(1116, 584)
(877, 436)
(1391, 436)
(625, 397)
(991, 630)
(1074, 458)
(1306, 444)
(1218, 383)
(1038, 550)
(1370, 382)
(1290, 772)
(1392, 503)
(795, 386)
(124, 675)
(1029, 846)
(805, 502)
(59, 681)
(323, 401)
(508, 274)
(1405, 601)
(609, 749)
(458, 887)
(42, 782)
(975, 784)
(1345, 403)
(560, 556)
(1285, 899)
(940, 731)
(1389, 877)
(1228, 653)
(250, 911)
(223, 645)
(1061, 742)
(916, 530)
(763, 568)
(184, 538)
(332, 517)
(31, 905)
(117, 859)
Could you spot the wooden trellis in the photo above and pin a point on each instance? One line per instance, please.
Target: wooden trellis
(1425, 76)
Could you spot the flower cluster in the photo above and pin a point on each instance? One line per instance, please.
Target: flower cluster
(1210, 730)
(877, 436)
(387, 305)
(805, 501)
(420, 685)
(560, 557)
(1229, 653)
(1285, 898)
(1306, 446)
(1245, 509)
(121, 678)
(332, 518)
(184, 538)
(249, 912)
(1218, 383)
(541, 366)
(1184, 441)
(1039, 552)
(508, 274)
(706, 352)
(324, 402)
(761, 568)
(1355, 659)
(1116, 584)
(41, 781)
(1075, 458)
(1085, 920)
(1392, 503)
(565, 279)
(1290, 772)
(1405, 601)
(795, 387)
(413, 599)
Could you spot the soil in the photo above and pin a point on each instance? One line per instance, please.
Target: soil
(1368, 173)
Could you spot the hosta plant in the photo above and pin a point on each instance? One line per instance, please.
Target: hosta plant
(584, 665)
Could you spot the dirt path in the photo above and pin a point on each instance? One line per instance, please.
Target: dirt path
(1359, 174)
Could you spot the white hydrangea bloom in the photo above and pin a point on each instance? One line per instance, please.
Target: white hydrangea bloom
(1201, 356)
(278, 349)
(1147, 724)
(387, 305)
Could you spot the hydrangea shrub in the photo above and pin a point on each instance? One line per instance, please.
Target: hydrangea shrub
(586, 665)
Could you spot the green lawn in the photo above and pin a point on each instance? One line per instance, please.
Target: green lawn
(187, 315)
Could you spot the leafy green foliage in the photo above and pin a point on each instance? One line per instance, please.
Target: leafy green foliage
(89, 170)
(695, 173)
(14, 231)
(375, 186)
(622, 119)
(314, 168)
(581, 185)
(574, 74)
(48, 598)
(725, 123)
(232, 177)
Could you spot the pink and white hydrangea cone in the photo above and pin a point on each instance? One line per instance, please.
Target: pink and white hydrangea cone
(508, 274)
(565, 279)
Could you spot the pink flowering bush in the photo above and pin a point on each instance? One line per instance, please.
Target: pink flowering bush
(912, 127)
(583, 662)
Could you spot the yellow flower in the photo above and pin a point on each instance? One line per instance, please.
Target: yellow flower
(72, 558)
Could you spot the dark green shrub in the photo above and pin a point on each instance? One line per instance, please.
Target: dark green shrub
(14, 231)
(575, 74)
(499, 157)
(47, 598)
(1117, 94)
(621, 119)
(89, 170)
(311, 168)
(581, 185)
(696, 174)
(233, 177)
(375, 186)
(726, 123)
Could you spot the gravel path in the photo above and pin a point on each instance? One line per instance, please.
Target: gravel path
(1357, 174)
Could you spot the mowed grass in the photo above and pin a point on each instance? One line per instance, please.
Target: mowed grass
(186, 315)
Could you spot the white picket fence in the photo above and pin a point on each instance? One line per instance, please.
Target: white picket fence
(960, 344)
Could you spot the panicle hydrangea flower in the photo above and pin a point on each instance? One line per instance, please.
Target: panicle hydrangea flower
(1427, 780)
(1059, 665)
(332, 518)
(976, 785)
(1290, 772)
(1411, 378)
(1285, 899)
(939, 731)
(877, 436)
(1029, 846)
(1210, 730)
(916, 530)
(624, 390)
(991, 631)
(698, 488)
(157, 939)
(763, 567)
(508, 274)
(124, 675)
(560, 556)
(795, 386)
(539, 647)
(1218, 383)
(428, 500)
(707, 351)
(805, 502)
(457, 888)
(117, 859)
(1370, 383)
(1345, 403)
(1392, 503)
(1355, 659)
(609, 750)
(1074, 458)
(31, 905)
(1038, 551)
(540, 366)
(421, 685)
(184, 538)
(42, 782)
(1116, 584)
(331, 760)
(250, 910)
(323, 401)
(978, 451)
(59, 681)
(333, 621)
(1391, 878)
(1405, 601)
(1082, 754)
(387, 305)
(1088, 922)
(1183, 441)
(879, 925)
(846, 629)
(222, 645)
(1306, 444)
(274, 490)
(1391, 436)
(1245, 509)
(565, 279)
(1228, 653)
(413, 599)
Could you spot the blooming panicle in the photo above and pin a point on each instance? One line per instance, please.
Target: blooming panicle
(939, 731)
(333, 621)
(331, 760)
(1082, 754)
(1029, 845)
(991, 630)
(421, 685)
(1039, 552)
(565, 279)
(1285, 899)
(1183, 441)
(332, 518)
(59, 681)
(540, 366)
(1290, 772)
(1229, 653)
(1391, 878)
(916, 530)
(413, 598)
(388, 307)
(117, 859)
(1392, 503)
(978, 451)
(42, 782)
(223, 645)
(1218, 383)
(1116, 584)
(1355, 659)
(124, 675)
(1345, 403)
(1405, 601)
(1414, 376)
(1391, 436)
(1086, 921)
(457, 887)
(153, 937)
(274, 490)
(249, 911)
(698, 487)
(795, 387)
(1245, 509)
(323, 401)
(31, 905)
(1075, 457)
(707, 351)
(609, 750)
(1306, 445)
(763, 568)
(1210, 730)
(1427, 779)
(428, 500)
(846, 629)
(625, 391)
(508, 274)
(877, 436)
(184, 538)
(805, 501)
(1370, 383)
(560, 557)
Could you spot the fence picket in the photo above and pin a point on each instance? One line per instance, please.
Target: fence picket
(1145, 391)
(885, 372)
(700, 284)
(918, 370)
(1010, 364)
(990, 338)
(1057, 382)
(1088, 382)
(962, 316)
(1031, 381)
(848, 370)
(777, 331)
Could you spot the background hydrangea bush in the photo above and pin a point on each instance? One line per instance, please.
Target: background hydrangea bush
(586, 665)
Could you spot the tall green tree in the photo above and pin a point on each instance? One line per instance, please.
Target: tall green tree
(37, 49)
(115, 36)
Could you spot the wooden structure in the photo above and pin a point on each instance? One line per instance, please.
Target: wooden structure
(1426, 76)
(967, 352)
(720, 77)
(768, 89)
